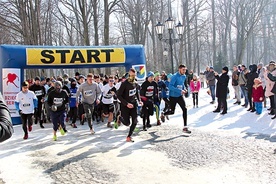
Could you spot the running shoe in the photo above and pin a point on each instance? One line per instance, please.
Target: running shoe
(129, 139)
(109, 125)
(162, 117)
(25, 136)
(62, 132)
(30, 128)
(55, 138)
(158, 123)
(185, 130)
(92, 131)
(115, 125)
(74, 125)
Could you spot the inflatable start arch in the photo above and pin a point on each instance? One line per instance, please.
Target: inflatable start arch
(15, 58)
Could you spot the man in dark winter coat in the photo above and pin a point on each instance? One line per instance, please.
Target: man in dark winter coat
(222, 90)
(250, 82)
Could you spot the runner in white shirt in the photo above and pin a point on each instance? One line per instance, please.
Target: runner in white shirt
(25, 103)
(108, 91)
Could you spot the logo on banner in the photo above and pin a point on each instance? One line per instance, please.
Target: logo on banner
(11, 77)
(141, 71)
(10, 88)
(50, 56)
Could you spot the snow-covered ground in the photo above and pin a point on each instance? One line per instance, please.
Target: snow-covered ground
(237, 120)
(18, 155)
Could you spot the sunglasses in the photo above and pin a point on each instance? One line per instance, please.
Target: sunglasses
(111, 80)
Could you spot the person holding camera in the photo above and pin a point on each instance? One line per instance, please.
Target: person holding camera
(25, 103)
(222, 90)
(57, 100)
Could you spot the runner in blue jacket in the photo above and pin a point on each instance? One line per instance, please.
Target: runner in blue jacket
(177, 90)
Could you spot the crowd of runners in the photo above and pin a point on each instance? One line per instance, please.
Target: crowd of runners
(92, 99)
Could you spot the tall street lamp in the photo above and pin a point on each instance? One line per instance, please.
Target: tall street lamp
(169, 24)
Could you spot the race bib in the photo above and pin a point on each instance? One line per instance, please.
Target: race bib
(180, 87)
(26, 105)
(38, 93)
(58, 101)
(88, 93)
(132, 92)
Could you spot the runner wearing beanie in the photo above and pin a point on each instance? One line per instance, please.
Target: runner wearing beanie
(57, 99)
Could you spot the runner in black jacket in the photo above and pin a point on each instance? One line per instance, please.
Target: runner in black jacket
(128, 94)
(58, 98)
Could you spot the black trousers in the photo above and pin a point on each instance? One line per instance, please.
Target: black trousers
(73, 113)
(251, 104)
(126, 113)
(147, 110)
(195, 98)
(26, 119)
(222, 103)
(167, 104)
(181, 102)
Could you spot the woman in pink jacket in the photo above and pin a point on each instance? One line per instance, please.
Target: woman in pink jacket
(195, 87)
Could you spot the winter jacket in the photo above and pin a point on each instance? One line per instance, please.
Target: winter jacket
(128, 93)
(251, 76)
(165, 92)
(272, 78)
(177, 85)
(149, 91)
(58, 99)
(211, 78)
(6, 128)
(257, 93)
(222, 85)
(235, 78)
(195, 86)
(73, 99)
(269, 84)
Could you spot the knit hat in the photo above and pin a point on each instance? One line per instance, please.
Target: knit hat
(57, 83)
(25, 83)
(37, 78)
(211, 67)
(257, 81)
(150, 74)
(156, 74)
(169, 75)
(225, 69)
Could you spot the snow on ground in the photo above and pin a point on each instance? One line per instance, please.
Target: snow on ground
(16, 153)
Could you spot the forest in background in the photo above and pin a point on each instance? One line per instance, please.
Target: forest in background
(216, 32)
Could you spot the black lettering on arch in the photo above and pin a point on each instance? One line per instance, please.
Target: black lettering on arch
(107, 54)
(93, 54)
(77, 56)
(49, 58)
